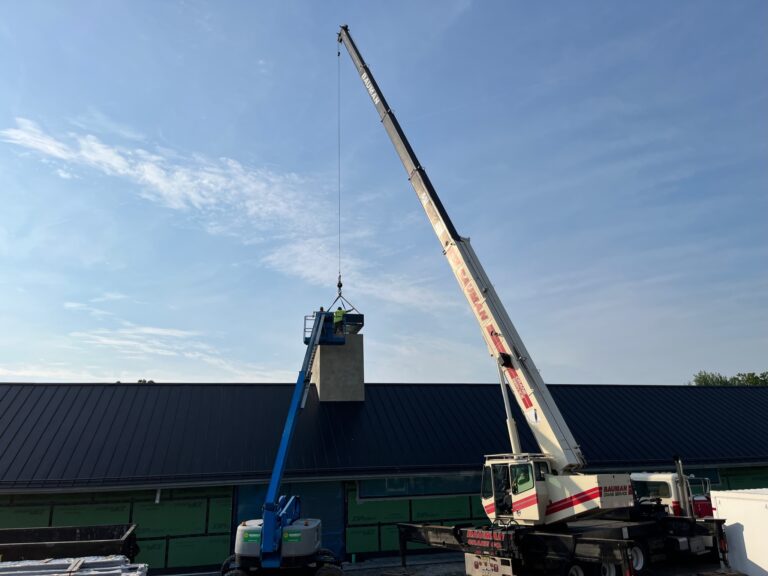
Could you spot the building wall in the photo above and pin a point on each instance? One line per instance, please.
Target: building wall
(371, 524)
(192, 528)
(743, 478)
(186, 528)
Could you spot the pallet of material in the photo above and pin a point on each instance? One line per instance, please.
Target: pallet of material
(87, 566)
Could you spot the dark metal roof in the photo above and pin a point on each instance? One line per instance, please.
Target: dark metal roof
(66, 436)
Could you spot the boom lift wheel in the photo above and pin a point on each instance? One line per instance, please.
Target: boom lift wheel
(228, 565)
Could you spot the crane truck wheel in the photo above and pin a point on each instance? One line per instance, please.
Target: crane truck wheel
(639, 556)
(607, 569)
(329, 570)
(574, 570)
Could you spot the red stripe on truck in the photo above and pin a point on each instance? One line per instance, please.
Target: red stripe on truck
(574, 500)
(526, 502)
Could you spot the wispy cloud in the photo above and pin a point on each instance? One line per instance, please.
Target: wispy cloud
(53, 372)
(142, 340)
(145, 348)
(96, 121)
(254, 205)
(86, 308)
(109, 297)
(258, 199)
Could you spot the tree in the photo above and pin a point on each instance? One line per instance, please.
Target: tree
(703, 378)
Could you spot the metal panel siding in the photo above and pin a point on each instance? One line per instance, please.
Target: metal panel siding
(56, 436)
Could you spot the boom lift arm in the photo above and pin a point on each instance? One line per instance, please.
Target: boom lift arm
(281, 540)
(547, 424)
(281, 511)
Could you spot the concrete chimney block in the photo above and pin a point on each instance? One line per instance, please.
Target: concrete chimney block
(338, 371)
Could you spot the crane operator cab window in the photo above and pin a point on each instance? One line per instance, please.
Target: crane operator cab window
(496, 484)
(522, 478)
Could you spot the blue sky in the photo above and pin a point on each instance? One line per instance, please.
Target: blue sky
(169, 190)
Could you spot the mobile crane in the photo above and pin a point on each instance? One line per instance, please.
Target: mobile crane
(539, 505)
(281, 540)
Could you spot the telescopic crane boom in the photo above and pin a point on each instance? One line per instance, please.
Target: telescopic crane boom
(551, 432)
(517, 488)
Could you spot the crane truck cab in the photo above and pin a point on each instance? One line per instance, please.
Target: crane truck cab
(525, 489)
(665, 488)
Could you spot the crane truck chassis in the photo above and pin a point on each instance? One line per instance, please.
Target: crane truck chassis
(621, 542)
(550, 518)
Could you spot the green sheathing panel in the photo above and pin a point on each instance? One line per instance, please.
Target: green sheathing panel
(440, 508)
(153, 553)
(477, 508)
(220, 515)
(170, 518)
(197, 551)
(24, 516)
(384, 511)
(175, 528)
(744, 478)
(372, 524)
(363, 539)
(389, 538)
(91, 514)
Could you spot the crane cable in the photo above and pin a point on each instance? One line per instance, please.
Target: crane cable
(338, 148)
(339, 298)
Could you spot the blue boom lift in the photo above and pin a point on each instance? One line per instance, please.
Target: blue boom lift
(282, 541)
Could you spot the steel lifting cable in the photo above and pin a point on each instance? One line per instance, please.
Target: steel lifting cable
(338, 146)
(346, 303)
